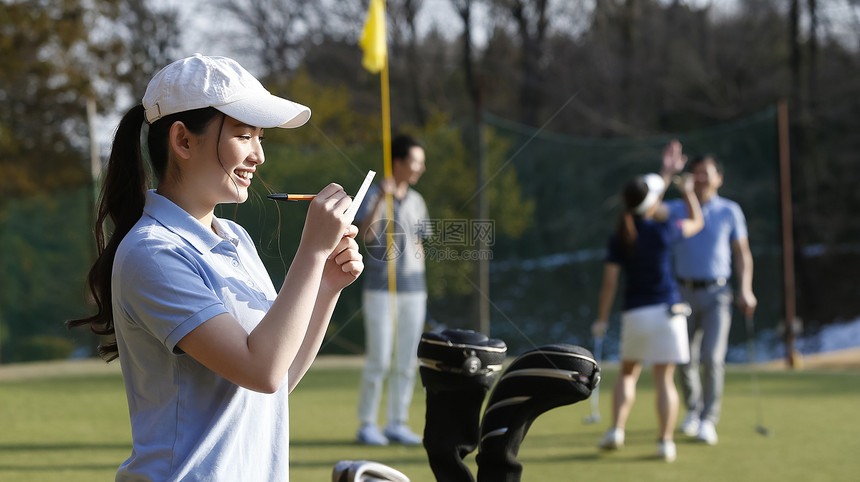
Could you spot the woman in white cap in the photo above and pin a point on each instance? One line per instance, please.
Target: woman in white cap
(653, 324)
(209, 349)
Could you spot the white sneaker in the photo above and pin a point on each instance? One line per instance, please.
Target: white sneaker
(369, 434)
(690, 425)
(613, 439)
(401, 433)
(666, 450)
(707, 432)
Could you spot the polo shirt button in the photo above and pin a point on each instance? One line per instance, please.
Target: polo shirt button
(235, 262)
(251, 284)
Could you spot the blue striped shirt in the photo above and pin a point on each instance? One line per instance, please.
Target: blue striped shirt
(410, 227)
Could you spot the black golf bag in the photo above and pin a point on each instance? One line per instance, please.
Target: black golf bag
(537, 381)
(457, 369)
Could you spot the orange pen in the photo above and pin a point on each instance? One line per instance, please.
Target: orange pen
(292, 197)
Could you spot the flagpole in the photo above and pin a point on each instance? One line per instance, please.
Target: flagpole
(389, 201)
(391, 258)
(374, 42)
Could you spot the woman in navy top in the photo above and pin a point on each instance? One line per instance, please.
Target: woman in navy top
(653, 328)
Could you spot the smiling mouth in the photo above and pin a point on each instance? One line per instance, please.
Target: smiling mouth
(246, 175)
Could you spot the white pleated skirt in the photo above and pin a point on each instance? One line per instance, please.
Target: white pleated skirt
(650, 334)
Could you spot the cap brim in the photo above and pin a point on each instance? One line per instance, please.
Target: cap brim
(656, 185)
(267, 111)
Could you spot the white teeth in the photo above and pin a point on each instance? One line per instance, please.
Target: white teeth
(247, 175)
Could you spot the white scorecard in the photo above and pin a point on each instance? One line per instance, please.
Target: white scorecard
(359, 196)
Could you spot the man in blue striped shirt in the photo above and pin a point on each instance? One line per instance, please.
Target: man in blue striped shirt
(703, 266)
(391, 352)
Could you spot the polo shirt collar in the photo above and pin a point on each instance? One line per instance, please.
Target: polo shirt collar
(177, 220)
(714, 199)
(223, 230)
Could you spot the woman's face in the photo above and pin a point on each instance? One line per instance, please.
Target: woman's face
(224, 172)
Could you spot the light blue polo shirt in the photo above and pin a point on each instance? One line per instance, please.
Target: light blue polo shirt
(708, 254)
(170, 275)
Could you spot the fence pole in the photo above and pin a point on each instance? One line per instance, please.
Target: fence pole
(789, 297)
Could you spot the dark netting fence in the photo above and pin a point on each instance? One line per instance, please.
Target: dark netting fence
(544, 283)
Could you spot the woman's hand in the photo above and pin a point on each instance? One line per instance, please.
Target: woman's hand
(599, 327)
(326, 223)
(685, 183)
(673, 159)
(344, 265)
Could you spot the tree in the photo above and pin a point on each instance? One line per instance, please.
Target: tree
(275, 30)
(404, 38)
(48, 71)
(151, 38)
(532, 22)
(57, 55)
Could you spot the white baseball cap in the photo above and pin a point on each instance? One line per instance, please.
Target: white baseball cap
(199, 81)
(656, 185)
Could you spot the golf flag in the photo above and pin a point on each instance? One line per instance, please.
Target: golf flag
(373, 41)
(374, 44)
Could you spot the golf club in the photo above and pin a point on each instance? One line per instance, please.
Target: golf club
(595, 395)
(759, 427)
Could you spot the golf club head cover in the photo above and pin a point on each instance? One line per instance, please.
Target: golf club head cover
(537, 381)
(365, 471)
(457, 369)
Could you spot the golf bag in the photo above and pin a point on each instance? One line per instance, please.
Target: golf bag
(457, 369)
(365, 471)
(537, 381)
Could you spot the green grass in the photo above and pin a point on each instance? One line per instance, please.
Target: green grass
(75, 428)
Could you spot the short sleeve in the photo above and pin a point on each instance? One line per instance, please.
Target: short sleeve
(165, 291)
(739, 223)
(613, 251)
(426, 228)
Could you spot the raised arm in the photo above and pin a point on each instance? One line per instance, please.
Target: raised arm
(695, 220)
(292, 328)
(674, 161)
(342, 268)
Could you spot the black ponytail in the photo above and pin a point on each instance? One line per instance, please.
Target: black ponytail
(121, 202)
(634, 193)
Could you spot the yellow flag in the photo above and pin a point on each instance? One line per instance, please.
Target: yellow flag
(373, 40)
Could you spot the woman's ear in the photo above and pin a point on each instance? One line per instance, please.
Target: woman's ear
(180, 139)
